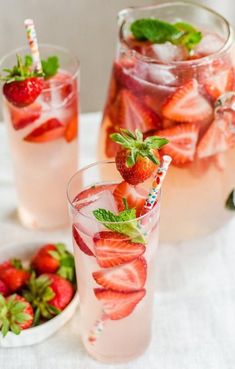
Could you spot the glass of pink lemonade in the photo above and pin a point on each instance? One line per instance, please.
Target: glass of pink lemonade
(43, 139)
(115, 262)
(179, 83)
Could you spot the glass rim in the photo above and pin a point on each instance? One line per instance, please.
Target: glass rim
(122, 14)
(48, 46)
(96, 164)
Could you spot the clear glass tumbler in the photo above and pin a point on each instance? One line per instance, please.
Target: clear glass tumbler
(115, 273)
(146, 79)
(43, 142)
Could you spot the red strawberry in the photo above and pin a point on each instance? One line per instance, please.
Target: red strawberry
(118, 305)
(23, 93)
(13, 275)
(221, 81)
(4, 290)
(112, 248)
(134, 198)
(81, 244)
(130, 112)
(139, 172)
(44, 262)
(219, 137)
(63, 290)
(127, 277)
(16, 313)
(50, 130)
(182, 142)
(94, 190)
(21, 117)
(186, 104)
(138, 158)
(49, 294)
(71, 130)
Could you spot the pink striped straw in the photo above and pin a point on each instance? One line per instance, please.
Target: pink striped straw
(157, 182)
(33, 44)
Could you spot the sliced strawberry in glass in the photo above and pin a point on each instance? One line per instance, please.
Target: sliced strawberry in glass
(132, 194)
(182, 142)
(118, 305)
(22, 117)
(220, 80)
(71, 130)
(50, 130)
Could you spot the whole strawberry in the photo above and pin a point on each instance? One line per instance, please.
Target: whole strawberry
(13, 274)
(4, 290)
(138, 158)
(54, 258)
(49, 294)
(22, 84)
(15, 314)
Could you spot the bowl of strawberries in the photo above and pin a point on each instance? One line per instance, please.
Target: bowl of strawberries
(38, 292)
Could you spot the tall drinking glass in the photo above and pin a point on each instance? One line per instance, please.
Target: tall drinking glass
(188, 98)
(43, 142)
(115, 273)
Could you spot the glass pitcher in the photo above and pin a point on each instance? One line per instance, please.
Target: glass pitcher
(189, 101)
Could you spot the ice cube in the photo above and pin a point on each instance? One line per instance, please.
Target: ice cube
(160, 75)
(85, 220)
(209, 44)
(166, 53)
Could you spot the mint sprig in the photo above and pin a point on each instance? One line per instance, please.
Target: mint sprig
(230, 202)
(158, 32)
(125, 223)
(50, 66)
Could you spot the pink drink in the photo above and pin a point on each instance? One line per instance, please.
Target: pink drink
(43, 142)
(116, 276)
(163, 90)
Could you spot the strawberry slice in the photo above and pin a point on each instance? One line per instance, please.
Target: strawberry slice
(22, 117)
(219, 137)
(221, 81)
(112, 248)
(182, 142)
(94, 190)
(125, 80)
(81, 244)
(128, 277)
(118, 305)
(129, 112)
(50, 130)
(186, 104)
(71, 130)
(135, 199)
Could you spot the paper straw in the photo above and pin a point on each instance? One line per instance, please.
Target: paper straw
(157, 183)
(98, 328)
(33, 43)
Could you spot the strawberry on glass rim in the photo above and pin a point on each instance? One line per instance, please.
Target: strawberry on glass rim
(22, 84)
(137, 158)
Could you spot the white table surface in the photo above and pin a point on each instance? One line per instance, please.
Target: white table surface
(194, 323)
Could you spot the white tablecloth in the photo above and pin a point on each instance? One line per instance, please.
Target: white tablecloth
(194, 324)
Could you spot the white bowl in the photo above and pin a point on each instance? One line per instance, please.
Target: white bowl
(37, 334)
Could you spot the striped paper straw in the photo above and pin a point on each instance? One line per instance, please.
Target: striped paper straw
(157, 183)
(33, 44)
(97, 329)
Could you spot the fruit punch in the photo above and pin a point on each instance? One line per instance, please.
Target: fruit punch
(174, 77)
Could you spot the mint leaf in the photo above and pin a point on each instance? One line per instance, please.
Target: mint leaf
(158, 32)
(129, 227)
(50, 66)
(155, 30)
(230, 202)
